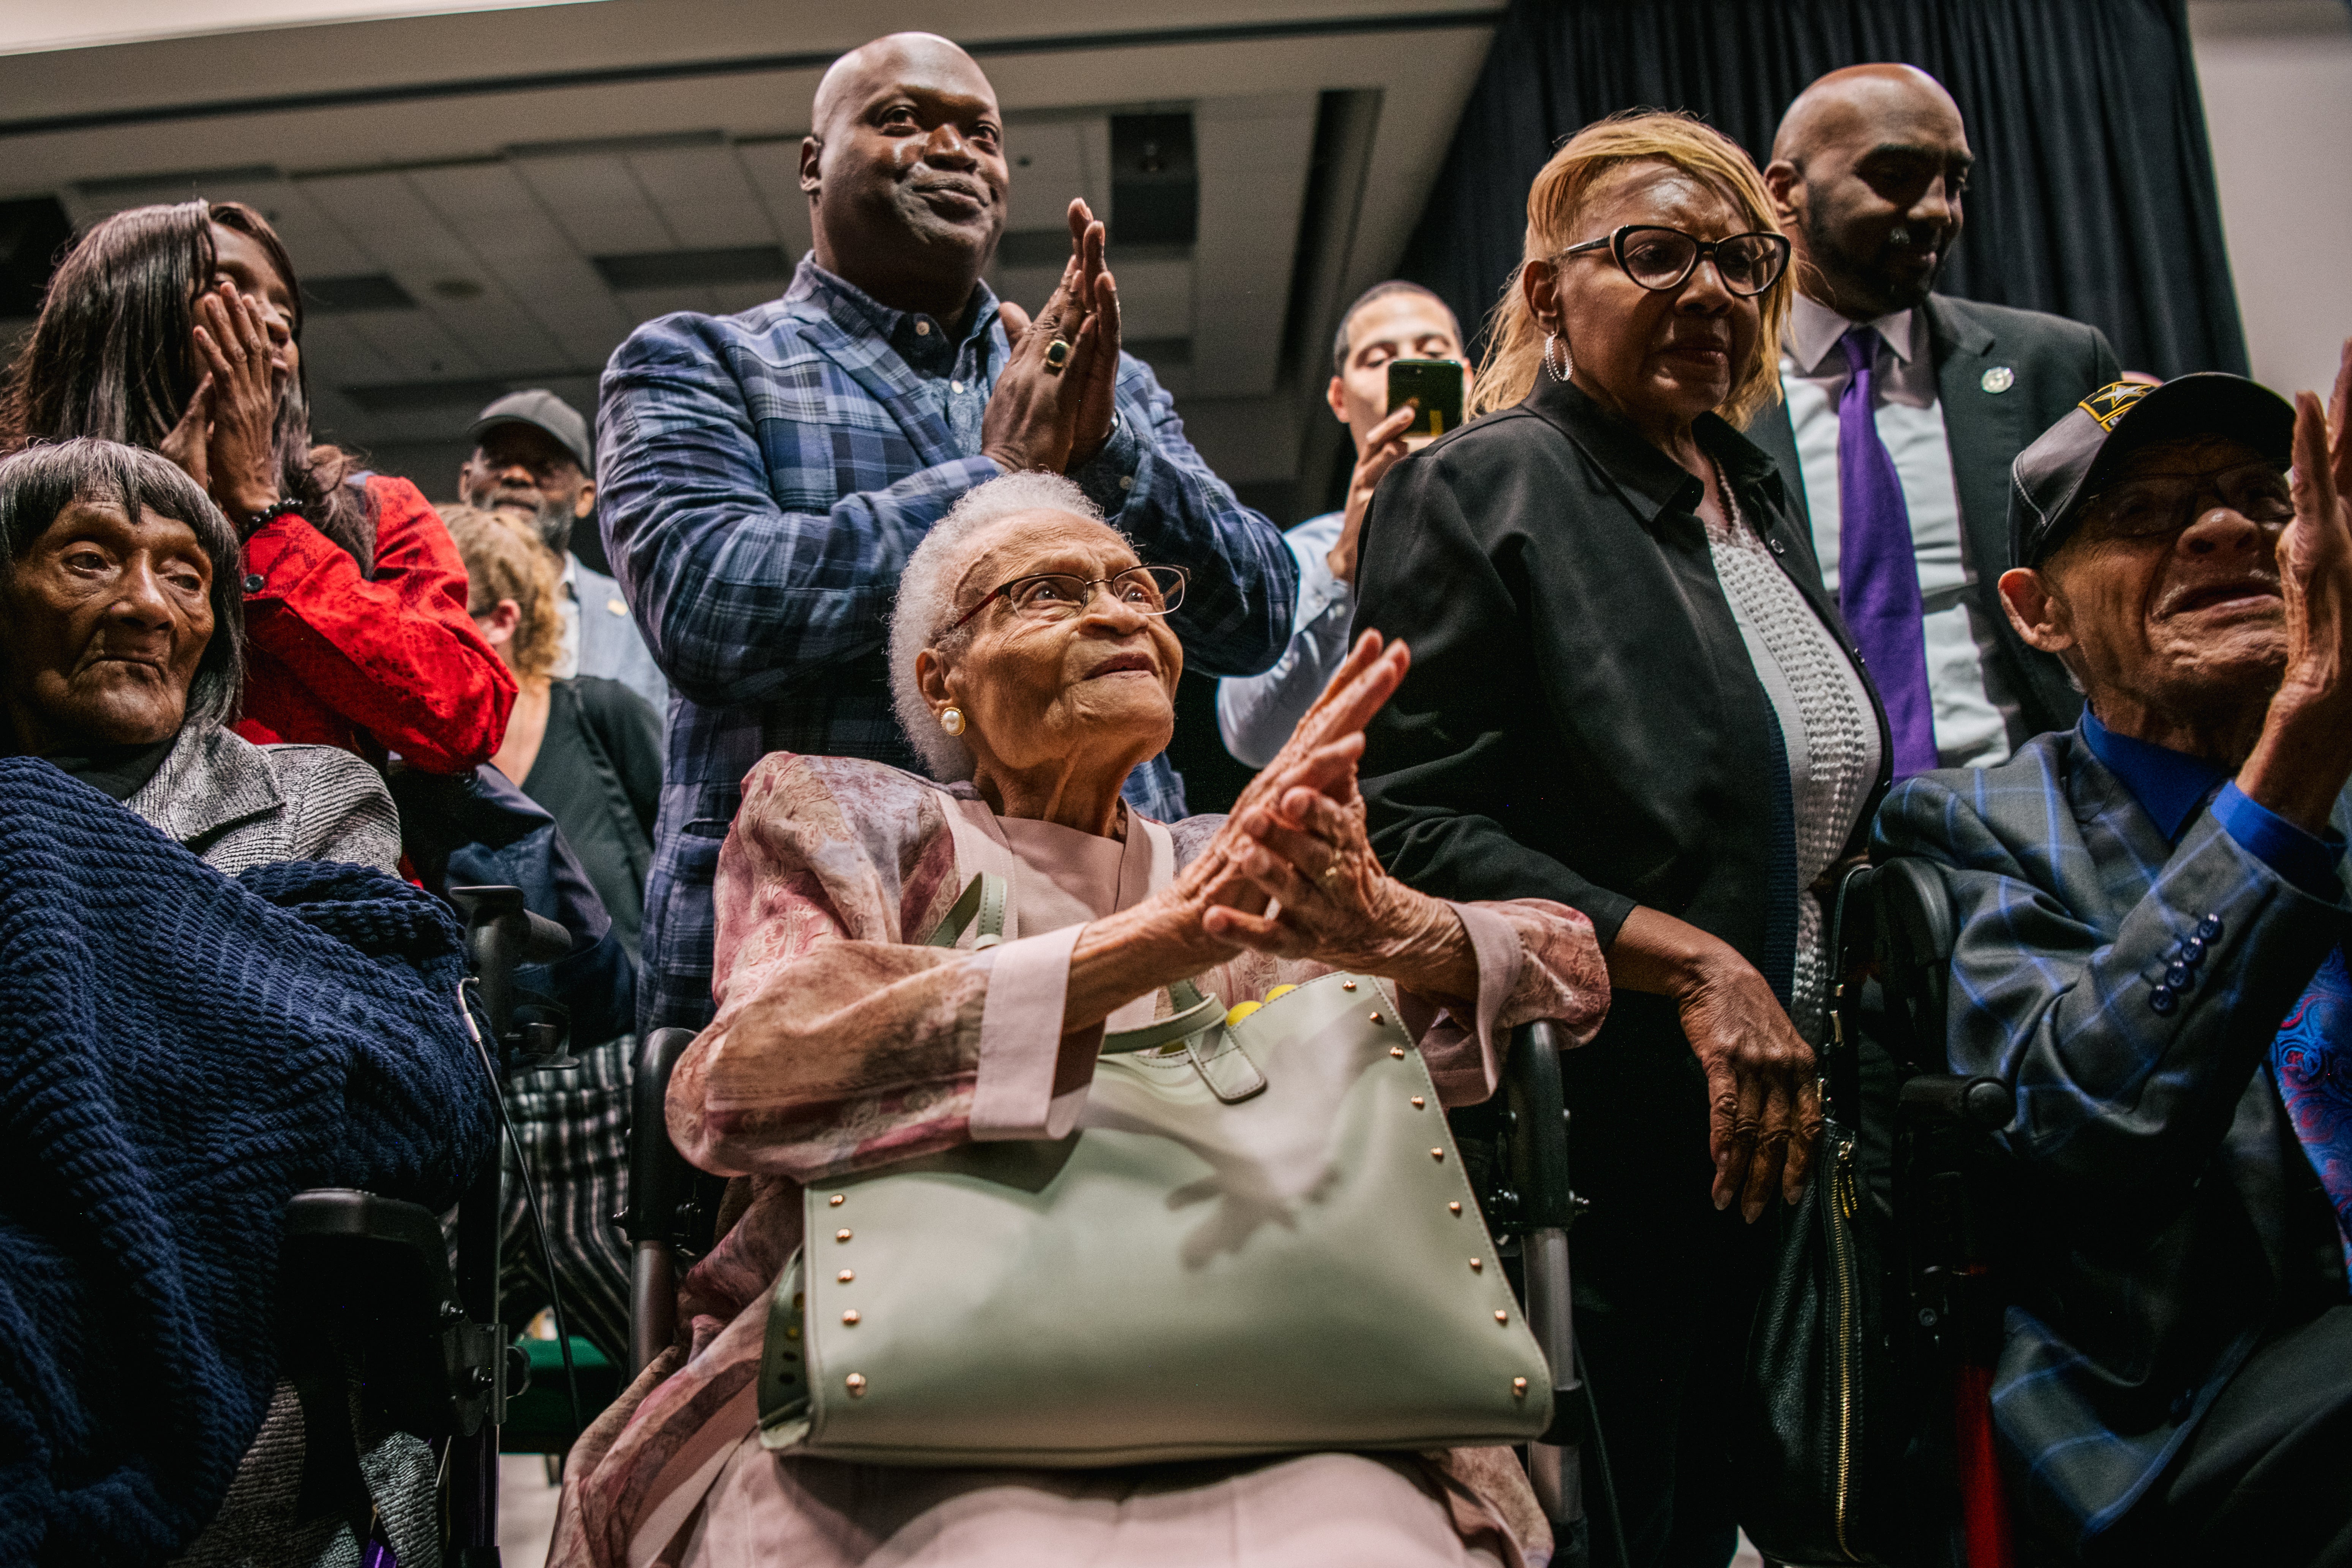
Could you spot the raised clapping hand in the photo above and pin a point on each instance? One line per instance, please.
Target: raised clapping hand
(2300, 763)
(227, 437)
(1229, 885)
(1049, 417)
(1178, 931)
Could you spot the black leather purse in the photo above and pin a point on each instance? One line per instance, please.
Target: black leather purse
(1821, 1433)
(1818, 1447)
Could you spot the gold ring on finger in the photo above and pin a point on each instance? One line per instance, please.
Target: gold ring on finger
(1331, 873)
(1057, 355)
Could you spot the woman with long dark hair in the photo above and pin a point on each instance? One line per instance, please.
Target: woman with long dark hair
(179, 329)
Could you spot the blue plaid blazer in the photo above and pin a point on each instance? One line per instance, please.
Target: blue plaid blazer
(2154, 1212)
(761, 480)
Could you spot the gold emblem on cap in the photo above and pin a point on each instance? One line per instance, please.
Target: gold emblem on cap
(1999, 379)
(2107, 404)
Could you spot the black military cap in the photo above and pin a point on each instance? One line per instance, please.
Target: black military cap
(2068, 462)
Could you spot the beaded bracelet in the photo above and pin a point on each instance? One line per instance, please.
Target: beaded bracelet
(269, 514)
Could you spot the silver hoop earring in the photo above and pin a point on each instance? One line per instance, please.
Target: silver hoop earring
(1558, 373)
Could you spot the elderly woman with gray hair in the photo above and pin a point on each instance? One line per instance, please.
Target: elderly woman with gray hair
(1033, 668)
(122, 653)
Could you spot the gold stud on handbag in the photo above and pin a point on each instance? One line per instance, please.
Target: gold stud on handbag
(1245, 1247)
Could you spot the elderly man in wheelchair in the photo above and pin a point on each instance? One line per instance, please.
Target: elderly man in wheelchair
(214, 996)
(2148, 914)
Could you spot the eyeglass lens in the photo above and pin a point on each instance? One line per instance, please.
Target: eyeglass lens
(1055, 595)
(2167, 503)
(1663, 257)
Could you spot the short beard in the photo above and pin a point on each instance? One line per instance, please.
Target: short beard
(554, 519)
(1886, 295)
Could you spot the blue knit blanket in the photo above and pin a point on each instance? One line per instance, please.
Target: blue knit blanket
(179, 1054)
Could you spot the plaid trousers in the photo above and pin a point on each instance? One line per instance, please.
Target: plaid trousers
(574, 1126)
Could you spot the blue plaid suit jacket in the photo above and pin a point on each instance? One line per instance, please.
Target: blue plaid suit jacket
(2148, 1213)
(761, 480)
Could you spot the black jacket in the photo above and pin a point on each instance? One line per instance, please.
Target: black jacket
(2052, 363)
(1582, 722)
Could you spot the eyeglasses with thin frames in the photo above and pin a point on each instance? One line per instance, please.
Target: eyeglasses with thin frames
(1064, 595)
(1661, 259)
(2152, 505)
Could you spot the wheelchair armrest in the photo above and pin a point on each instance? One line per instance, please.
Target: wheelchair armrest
(501, 936)
(1912, 941)
(661, 1193)
(659, 1178)
(1536, 1130)
(1942, 1099)
(379, 1269)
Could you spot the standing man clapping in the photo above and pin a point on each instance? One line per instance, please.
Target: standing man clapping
(765, 476)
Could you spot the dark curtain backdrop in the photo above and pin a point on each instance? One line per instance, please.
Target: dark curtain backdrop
(2093, 196)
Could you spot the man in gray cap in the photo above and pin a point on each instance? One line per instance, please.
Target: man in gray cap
(532, 456)
(2139, 902)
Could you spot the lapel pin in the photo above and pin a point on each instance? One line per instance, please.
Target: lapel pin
(1999, 378)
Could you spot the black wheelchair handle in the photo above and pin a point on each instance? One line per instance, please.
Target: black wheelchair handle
(659, 1178)
(1949, 1100)
(530, 938)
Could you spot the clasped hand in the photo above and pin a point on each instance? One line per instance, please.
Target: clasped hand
(227, 440)
(1292, 871)
(1053, 417)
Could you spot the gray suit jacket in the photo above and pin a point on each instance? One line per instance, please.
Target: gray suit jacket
(2157, 1214)
(238, 805)
(2052, 363)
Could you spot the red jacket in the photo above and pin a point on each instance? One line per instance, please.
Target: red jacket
(392, 664)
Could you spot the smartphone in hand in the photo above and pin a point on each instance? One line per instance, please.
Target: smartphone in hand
(1433, 386)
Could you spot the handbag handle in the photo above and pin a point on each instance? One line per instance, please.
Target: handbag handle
(982, 898)
(1189, 1018)
(1230, 1073)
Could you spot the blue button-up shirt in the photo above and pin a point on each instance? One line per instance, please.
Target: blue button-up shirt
(763, 480)
(2172, 787)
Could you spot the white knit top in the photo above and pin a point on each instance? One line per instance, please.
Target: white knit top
(1826, 724)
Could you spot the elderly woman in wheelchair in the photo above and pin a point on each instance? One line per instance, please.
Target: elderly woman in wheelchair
(213, 996)
(1100, 1205)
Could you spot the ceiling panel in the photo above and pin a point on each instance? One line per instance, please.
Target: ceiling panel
(772, 167)
(703, 195)
(472, 202)
(412, 345)
(528, 263)
(1155, 298)
(336, 352)
(599, 203)
(1053, 161)
(1254, 166)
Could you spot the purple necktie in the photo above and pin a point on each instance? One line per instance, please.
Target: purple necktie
(1878, 577)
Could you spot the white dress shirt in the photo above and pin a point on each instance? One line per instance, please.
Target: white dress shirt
(1971, 726)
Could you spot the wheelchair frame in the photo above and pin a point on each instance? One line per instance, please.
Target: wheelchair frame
(1894, 934)
(437, 1360)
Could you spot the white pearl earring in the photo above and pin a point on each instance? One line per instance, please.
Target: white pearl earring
(951, 720)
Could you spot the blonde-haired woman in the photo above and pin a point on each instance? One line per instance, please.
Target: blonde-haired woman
(1684, 743)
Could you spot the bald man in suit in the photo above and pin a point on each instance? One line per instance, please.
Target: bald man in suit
(1868, 171)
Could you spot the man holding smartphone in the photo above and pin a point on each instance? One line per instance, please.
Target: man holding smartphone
(1389, 323)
